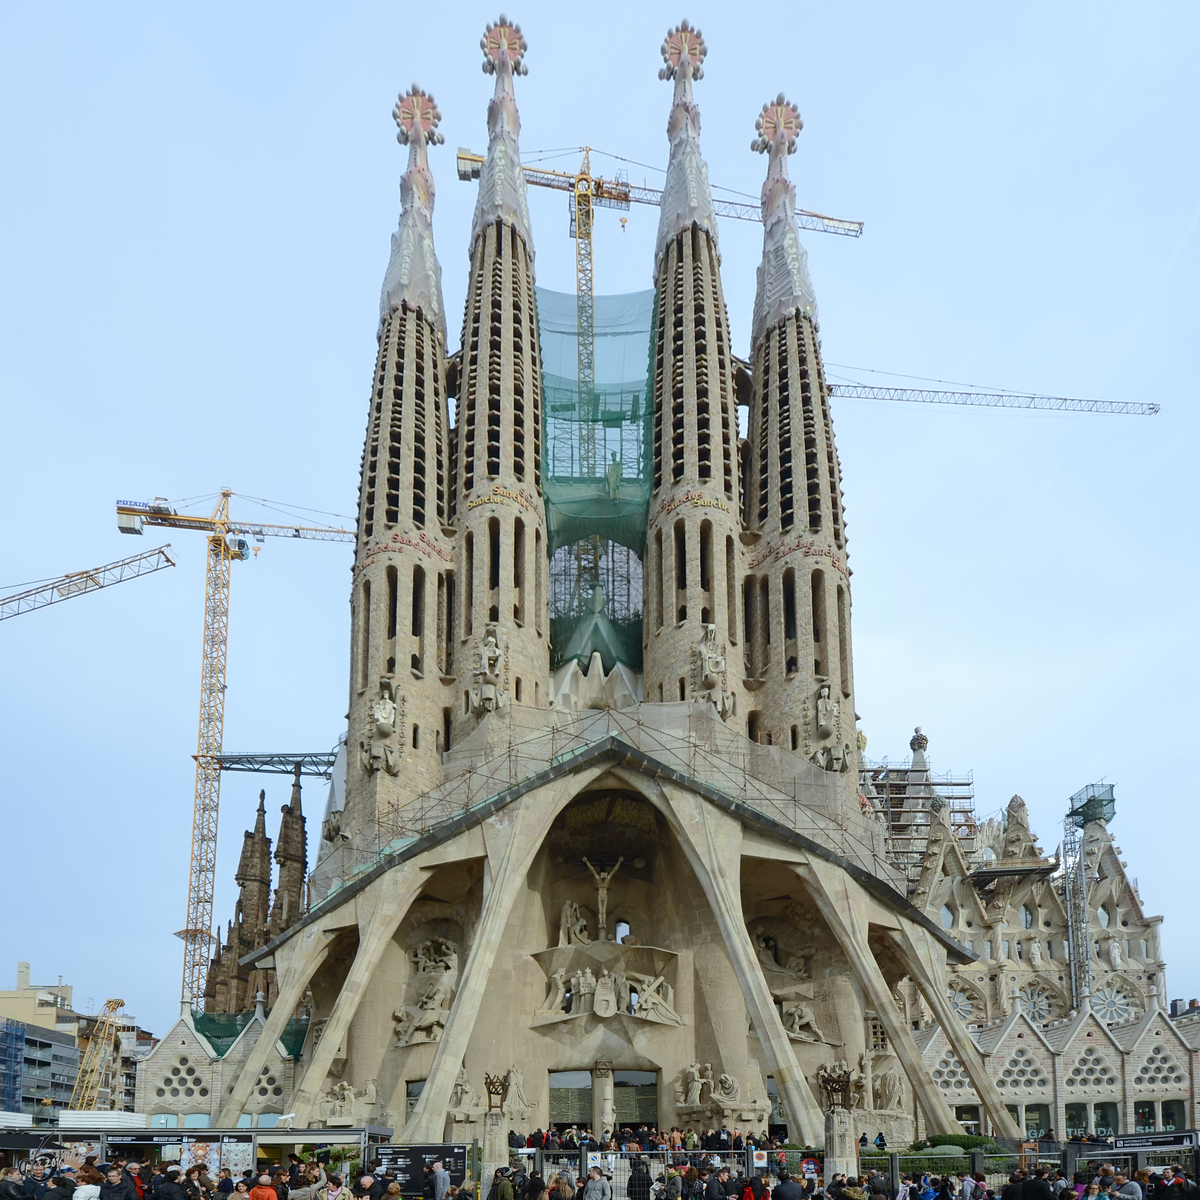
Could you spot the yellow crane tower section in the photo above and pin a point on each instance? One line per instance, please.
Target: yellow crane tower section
(226, 543)
(96, 1058)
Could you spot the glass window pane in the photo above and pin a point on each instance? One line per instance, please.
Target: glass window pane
(1105, 1116)
(1143, 1117)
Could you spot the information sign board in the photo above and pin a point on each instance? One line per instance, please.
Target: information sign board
(409, 1163)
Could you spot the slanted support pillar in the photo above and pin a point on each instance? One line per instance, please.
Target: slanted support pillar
(844, 906)
(712, 841)
(514, 836)
(381, 908)
(924, 961)
(293, 972)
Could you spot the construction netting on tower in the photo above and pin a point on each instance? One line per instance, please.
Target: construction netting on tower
(596, 473)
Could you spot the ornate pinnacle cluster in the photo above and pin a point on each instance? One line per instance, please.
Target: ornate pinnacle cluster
(779, 121)
(502, 180)
(783, 280)
(413, 276)
(502, 42)
(683, 44)
(417, 118)
(687, 199)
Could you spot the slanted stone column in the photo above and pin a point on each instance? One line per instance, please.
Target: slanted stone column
(844, 906)
(295, 965)
(712, 841)
(381, 909)
(925, 963)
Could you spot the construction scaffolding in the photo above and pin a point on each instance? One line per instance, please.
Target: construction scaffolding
(596, 476)
(908, 797)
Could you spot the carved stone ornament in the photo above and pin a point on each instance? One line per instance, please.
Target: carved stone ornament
(830, 752)
(341, 1106)
(379, 748)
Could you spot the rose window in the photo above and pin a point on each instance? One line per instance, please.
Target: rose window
(1035, 1004)
(963, 1005)
(1111, 1005)
(182, 1081)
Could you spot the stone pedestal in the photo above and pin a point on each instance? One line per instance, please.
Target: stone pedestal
(495, 1147)
(841, 1143)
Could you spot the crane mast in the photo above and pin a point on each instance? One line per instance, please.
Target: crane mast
(96, 1059)
(226, 543)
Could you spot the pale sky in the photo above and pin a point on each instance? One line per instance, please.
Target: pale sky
(196, 213)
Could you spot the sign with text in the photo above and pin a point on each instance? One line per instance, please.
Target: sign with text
(409, 1163)
(1156, 1141)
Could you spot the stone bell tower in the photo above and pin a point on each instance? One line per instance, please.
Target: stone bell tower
(797, 585)
(403, 572)
(694, 555)
(503, 632)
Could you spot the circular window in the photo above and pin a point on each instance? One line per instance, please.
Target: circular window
(277, 1091)
(204, 1091)
(183, 1061)
(162, 1091)
(189, 1091)
(175, 1071)
(270, 1081)
(174, 1091)
(262, 1091)
(190, 1071)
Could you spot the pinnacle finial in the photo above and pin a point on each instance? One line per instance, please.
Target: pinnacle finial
(779, 121)
(415, 109)
(503, 42)
(683, 44)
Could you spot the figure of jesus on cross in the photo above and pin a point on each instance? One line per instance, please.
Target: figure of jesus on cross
(603, 879)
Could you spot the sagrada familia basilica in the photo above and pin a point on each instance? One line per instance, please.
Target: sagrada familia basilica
(603, 843)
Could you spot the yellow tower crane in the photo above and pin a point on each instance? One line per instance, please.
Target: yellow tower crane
(76, 583)
(226, 543)
(96, 1058)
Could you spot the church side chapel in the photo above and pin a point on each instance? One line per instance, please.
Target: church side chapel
(602, 843)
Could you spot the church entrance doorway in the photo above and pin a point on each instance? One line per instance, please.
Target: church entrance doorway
(635, 1098)
(570, 1099)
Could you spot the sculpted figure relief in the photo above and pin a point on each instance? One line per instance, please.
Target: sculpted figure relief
(727, 1090)
(830, 754)
(889, 1088)
(558, 989)
(693, 1081)
(656, 999)
(603, 879)
(1035, 953)
(464, 1095)
(514, 1092)
(572, 926)
(799, 1022)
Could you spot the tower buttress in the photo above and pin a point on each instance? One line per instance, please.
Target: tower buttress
(693, 549)
(502, 629)
(797, 585)
(401, 652)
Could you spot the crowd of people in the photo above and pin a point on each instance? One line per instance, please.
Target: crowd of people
(644, 1138)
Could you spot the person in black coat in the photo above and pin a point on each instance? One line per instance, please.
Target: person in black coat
(638, 1187)
(1037, 1187)
(168, 1188)
(117, 1187)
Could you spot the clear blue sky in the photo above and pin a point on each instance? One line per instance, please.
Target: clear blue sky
(195, 217)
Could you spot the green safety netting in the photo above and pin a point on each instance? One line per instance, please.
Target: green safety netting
(221, 1030)
(596, 473)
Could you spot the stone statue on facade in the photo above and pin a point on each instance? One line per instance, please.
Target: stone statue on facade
(488, 694)
(706, 1080)
(1115, 958)
(464, 1096)
(435, 963)
(830, 754)
(514, 1092)
(727, 1090)
(693, 1081)
(656, 999)
(800, 1023)
(604, 1000)
(558, 990)
(889, 1088)
(572, 926)
(378, 749)
(603, 879)
(1035, 953)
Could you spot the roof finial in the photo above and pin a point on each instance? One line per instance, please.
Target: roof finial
(783, 281)
(502, 180)
(413, 274)
(503, 45)
(686, 199)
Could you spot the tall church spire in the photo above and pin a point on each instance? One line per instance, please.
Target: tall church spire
(502, 617)
(501, 181)
(798, 595)
(694, 551)
(399, 650)
(783, 281)
(413, 274)
(686, 198)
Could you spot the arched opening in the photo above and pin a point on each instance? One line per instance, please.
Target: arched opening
(622, 931)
